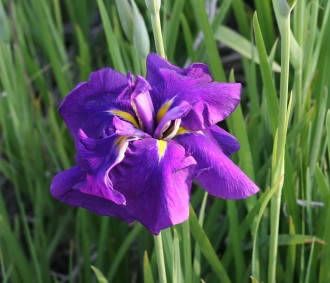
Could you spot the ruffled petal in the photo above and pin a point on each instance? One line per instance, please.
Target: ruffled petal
(155, 177)
(88, 106)
(154, 64)
(199, 72)
(226, 141)
(67, 187)
(217, 174)
(97, 158)
(211, 102)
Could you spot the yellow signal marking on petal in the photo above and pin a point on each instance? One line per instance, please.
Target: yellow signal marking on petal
(182, 130)
(162, 111)
(161, 148)
(120, 141)
(136, 113)
(127, 116)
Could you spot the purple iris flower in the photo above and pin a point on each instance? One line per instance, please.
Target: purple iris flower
(140, 143)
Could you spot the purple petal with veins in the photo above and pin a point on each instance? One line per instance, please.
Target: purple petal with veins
(124, 128)
(142, 104)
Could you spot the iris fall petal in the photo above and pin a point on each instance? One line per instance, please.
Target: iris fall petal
(217, 174)
(157, 193)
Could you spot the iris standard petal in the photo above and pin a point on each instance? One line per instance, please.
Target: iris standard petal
(155, 177)
(211, 102)
(142, 104)
(156, 63)
(66, 186)
(171, 115)
(217, 174)
(88, 106)
(168, 80)
(97, 158)
(124, 128)
(199, 72)
(226, 141)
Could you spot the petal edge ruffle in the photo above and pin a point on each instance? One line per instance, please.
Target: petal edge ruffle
(217, 174)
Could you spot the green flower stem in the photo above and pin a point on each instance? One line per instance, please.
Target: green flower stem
(160, 258)
(279, 146)
(154, 7)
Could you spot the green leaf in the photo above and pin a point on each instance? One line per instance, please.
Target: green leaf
(197, 251)
(4, 26)
(209, 39)
(271, 96)
(99, 275)
(287, 240)
(176, 262)
(206, 248)
(268, 195)
(147, 272)
(291, 3)
(328, 132)
(171, 29)
(113, 46)
(322, 183)
(123, 249)
(282, 7)
(241, 45)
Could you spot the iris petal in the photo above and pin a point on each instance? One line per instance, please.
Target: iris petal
(157, 191)
(211, 102)
(97, 158)
(217, 174)
(87, 106)
(142, 104)
(66, 186)
(226, 141)
(126, 129)
(172, 115)
(126, 116)
(154, 64)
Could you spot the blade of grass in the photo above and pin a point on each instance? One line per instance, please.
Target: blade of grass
(123, 250)
(172, 28)
(197, 251)
(99, 275)
(210, 43)
(114, 49)
(206, 248)
(176, 263)
(187, 251)
(271, 96)
(147, 272)
(243, 46)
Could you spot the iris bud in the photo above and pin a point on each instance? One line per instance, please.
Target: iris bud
(126, 17)
(153, 6)
(140, 36)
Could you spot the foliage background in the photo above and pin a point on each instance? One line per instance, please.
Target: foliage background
(48, 46)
